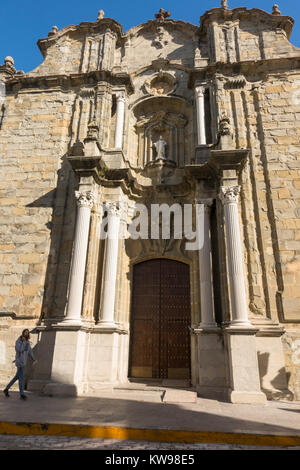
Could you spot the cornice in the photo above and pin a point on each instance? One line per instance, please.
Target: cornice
(248, 68)
(224, 160)
(222, 15)
(67, 81)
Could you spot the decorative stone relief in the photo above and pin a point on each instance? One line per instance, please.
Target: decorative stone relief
(161, 84)
(161, 39)
(93, 130)
(87, 92)
(224, 125)
(236, 82)
(225, 133)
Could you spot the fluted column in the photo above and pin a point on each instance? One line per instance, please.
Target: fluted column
(111, 265)
(85, 202)
(205, 269)
(120, 119)
(230, 197)
(199, 91)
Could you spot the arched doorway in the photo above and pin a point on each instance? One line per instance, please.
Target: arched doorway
(160, 317)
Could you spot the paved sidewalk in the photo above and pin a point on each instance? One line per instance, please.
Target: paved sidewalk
(140, 414)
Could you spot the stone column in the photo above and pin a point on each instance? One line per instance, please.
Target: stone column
(205, 269)
(240, 336)
(230, 197)
(111, 264)
(85, 202)
(120, 119)
(199, 91)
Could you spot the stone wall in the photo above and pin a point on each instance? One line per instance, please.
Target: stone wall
(34, 138)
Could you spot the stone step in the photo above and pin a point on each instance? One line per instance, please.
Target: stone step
(159, 385)
(179, 396)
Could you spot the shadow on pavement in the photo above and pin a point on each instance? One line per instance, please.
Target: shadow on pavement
(137, 414)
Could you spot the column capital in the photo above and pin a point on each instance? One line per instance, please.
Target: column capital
(121, 96)
(199, 91)
(113, 208)
(230, 194)
(85, 199)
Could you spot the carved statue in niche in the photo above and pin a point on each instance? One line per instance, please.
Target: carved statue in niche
(161, 149)
(155, 128)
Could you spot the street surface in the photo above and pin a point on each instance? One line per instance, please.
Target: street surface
(78, 443)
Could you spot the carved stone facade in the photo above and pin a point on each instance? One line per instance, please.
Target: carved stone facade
(203, 117)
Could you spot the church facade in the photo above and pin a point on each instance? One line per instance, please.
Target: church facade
(150, 207)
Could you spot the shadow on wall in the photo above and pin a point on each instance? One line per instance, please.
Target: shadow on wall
(62, 201)
(43, 352)
(278, 385)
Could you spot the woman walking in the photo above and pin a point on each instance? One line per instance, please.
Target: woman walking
(22, 350)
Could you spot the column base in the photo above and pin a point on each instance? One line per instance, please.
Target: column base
(208, 326)
(63, 390)
(107, 325)
(241, 324)
(243, 369)
(70, 322)
(247, 398)
(212, 392)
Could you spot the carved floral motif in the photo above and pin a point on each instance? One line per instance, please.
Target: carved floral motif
(230, 195)
(112, 208)
(85, 199)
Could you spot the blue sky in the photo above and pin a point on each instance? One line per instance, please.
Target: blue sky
(22, 23)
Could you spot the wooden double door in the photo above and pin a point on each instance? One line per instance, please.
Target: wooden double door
(160, 317)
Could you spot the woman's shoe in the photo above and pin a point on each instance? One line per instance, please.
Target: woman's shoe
(23, 397)
(6, 393)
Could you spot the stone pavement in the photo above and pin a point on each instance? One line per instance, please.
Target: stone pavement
(145, 410)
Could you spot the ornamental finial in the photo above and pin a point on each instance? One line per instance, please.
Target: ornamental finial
(162, 15)
(276, 11)
(100, 15)
(224, 4)
(53, 31)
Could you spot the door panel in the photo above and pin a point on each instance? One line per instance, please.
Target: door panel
(160, 341)
(145, 309)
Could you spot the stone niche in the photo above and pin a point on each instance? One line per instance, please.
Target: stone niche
(163, 117)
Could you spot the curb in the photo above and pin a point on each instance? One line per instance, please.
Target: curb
(139, 434)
